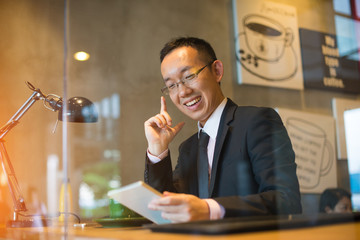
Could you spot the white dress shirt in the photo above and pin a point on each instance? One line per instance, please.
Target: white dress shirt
(211, 128)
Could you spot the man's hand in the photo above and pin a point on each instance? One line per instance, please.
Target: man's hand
(181, 207)
(158, 130)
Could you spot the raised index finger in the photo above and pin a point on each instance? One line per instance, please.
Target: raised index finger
(163, 105)
(163, 111)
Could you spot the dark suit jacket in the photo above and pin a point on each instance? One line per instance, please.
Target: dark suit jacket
(253, 172)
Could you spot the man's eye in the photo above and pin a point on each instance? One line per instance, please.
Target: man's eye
(171, 86)
(190, 77)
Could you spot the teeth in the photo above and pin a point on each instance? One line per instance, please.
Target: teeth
(189, 104)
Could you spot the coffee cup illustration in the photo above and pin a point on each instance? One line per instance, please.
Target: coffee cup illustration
(265, 37)
(314, 153)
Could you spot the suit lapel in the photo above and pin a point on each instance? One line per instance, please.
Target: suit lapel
(226, 118)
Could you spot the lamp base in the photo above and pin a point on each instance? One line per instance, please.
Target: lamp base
(28, 223)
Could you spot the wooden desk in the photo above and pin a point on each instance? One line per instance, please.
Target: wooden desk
(345, 231)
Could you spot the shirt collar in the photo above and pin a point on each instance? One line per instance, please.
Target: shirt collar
(212, 124)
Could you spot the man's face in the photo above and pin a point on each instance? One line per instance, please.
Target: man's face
(343, 206)
(201, 98)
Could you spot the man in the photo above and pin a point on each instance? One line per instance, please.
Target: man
(251, 168)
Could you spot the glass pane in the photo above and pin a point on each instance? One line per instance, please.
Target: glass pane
(112, 52)
(31, 52)
(342, 6)
(347, 37)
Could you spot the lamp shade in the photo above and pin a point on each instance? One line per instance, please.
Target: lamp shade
(79, 109)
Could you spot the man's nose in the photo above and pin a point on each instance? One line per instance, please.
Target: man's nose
(183, 90)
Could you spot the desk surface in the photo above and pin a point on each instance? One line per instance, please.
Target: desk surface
(348, 231)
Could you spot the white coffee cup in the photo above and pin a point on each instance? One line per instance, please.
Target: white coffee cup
(265, 37)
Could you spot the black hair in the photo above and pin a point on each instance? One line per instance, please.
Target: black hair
(331, 196)
(200, 45)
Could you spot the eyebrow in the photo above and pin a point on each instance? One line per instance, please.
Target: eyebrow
(184, 69)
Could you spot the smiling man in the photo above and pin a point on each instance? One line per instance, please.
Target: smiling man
(250, 165)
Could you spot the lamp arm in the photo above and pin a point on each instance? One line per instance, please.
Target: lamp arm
(19, 203)
(18, 199)
(17, 116)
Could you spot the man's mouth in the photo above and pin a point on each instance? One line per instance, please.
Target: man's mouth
(193, 102)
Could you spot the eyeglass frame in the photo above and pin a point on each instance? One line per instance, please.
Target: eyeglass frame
(186, 80)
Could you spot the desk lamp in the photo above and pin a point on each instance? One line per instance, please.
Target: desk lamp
(78, 109)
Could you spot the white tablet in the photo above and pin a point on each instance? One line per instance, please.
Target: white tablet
(137, 196)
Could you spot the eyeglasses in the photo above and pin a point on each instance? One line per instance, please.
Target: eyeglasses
(186, 81)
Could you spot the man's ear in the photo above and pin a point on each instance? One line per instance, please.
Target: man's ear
(218, 69)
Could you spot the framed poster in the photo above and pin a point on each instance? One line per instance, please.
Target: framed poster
(267, 44)
(313, 139)
(323, 66)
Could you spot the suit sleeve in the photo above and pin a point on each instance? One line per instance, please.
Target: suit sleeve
(159, 175)
(272, 161)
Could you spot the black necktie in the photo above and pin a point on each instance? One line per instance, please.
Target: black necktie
(203, 165)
